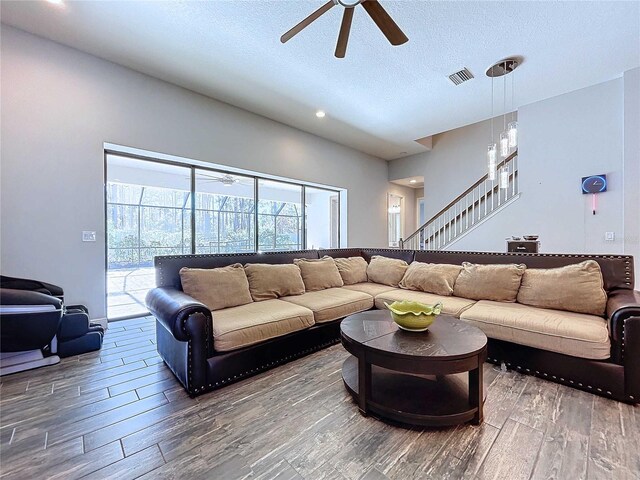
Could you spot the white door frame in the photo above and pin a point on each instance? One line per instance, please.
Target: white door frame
(418, 223)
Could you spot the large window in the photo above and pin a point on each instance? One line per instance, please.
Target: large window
(160, 208)
(225, 207)
(279, 216)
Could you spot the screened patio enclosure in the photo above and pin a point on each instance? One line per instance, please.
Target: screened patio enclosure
(155, 208)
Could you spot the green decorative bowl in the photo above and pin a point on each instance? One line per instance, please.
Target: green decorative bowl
(414, 316)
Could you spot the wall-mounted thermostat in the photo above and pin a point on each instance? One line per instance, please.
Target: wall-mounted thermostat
(88, 236)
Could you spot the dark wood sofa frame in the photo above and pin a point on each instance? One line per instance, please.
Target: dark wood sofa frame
(185, 338)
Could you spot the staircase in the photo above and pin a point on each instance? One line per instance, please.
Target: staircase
(477, 203)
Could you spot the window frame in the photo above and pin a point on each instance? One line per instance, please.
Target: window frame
(232, 171)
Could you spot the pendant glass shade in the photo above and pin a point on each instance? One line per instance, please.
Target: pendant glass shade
(504, 178)
(504, 145)
(512, 131)
(492, 157)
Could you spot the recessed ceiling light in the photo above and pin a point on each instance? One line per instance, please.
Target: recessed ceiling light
(320, 114)
(413, 181)
(56, 2)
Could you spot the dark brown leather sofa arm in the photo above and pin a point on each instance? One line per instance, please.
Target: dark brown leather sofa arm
(622, 306)
(172, 308)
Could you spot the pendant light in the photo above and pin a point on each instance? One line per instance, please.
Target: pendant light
(508, 139)
(504, 145)
(504, 178)
(512, 133)
(491, 159)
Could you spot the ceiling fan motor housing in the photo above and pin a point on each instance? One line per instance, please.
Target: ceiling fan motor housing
(348, 3)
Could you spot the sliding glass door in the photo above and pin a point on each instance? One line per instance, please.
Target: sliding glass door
(162, 208)
(225, 207)
(148, 213)
(279, 216)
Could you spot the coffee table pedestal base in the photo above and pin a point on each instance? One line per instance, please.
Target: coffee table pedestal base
(412, 399)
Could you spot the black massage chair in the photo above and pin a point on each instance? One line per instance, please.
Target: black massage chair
(36, 328)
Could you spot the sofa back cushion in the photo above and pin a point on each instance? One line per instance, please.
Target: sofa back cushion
(352, 269)
(387, 271)
(319, 274)
(273, 281)
(438, 278)
(574, 288)
(217, 288)
(499, 283)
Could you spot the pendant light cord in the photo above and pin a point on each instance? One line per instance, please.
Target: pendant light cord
(492, 113)
(504, 99)
(513, 88)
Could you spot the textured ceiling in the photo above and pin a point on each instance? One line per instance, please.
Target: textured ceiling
(379, 98)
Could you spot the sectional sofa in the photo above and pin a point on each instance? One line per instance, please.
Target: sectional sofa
(598, 352)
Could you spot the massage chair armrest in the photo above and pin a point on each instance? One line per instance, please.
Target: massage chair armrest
(24, 298)
(622, 306)
(173, 307)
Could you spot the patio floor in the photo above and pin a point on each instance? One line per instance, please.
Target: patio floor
(126, 289)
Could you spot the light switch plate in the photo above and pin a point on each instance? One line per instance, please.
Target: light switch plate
(88, 236)
(609, 236)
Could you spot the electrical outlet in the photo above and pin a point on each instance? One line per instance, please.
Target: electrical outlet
(609, 236)
(88, 236)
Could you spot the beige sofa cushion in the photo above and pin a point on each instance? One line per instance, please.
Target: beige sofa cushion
(273, 281)
(370, 288)
(353, 269)
(217, 288)
(387, 271)
(438, 278)
(489, 282)
(575, 288)
(450, 305)
(575, 334)
(333, 303)
(318, 274)
(253, 323)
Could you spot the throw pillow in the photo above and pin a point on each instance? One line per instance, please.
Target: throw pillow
(575, 288)
(319, 274)
(437, 278)
(387, 271)
(273, 281)
(499, 283)
(352, 269)
(217, 288)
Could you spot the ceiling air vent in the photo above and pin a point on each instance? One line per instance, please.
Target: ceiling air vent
(461, 76)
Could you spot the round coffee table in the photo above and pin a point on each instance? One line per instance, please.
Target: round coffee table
(414, 378)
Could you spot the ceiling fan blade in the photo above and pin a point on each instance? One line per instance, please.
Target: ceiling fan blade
(385, 23)
(307, 21)
(345, 29)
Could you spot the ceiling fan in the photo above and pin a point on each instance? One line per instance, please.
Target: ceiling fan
(226, 180)
(378, 14)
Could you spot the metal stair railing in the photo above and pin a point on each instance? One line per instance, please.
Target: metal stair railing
(479, 201)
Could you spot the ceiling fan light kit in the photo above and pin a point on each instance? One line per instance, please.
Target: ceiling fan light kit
(377, 13)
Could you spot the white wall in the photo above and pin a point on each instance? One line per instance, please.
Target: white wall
(406, 167)
(631, 237)
(562, 139)
(60, 105)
